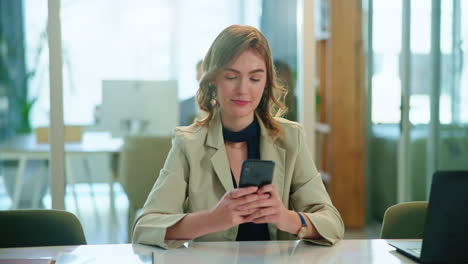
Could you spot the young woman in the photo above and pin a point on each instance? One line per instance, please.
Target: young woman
(196, 194)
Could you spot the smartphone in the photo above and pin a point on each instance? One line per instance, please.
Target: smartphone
(256, 172)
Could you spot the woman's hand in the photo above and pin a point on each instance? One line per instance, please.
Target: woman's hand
(228, 213)
(271, 210)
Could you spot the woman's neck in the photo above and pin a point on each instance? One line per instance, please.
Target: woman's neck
(236, 124)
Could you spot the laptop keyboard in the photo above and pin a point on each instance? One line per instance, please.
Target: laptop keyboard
(415, 251)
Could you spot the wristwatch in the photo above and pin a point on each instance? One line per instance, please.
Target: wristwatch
(303, 230)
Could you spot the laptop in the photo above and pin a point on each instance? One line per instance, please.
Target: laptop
(445, 238)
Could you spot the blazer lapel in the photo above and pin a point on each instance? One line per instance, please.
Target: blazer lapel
(219, 159)
(221, 166)
(271, 151)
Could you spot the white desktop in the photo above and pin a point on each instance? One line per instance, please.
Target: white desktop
(137, 107)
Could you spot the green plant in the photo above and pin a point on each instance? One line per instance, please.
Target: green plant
(10, 56)
(26, 106)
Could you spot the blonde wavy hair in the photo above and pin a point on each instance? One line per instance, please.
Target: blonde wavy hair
(227, 46)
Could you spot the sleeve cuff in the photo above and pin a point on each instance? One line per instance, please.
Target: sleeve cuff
(329, 231)
(151, 230)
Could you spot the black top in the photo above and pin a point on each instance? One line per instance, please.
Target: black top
(250, 134)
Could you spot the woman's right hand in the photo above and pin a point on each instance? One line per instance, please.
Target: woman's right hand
(226, 213)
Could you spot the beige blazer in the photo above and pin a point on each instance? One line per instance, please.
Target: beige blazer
(197, 174)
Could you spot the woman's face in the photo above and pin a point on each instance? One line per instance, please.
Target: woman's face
(240, 86)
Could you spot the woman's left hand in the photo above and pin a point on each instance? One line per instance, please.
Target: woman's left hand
(270, 210)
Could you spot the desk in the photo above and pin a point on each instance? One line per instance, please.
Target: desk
(345, 251)
(25, 147)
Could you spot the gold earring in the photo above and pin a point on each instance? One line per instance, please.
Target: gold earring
(213, 100)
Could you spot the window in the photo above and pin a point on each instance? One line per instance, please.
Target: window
(127, 40)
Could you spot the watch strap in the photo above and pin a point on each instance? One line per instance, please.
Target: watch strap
(303, 230)
(303, 221)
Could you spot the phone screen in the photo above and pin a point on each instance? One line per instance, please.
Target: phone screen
(256, 172)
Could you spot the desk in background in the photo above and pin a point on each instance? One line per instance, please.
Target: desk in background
(25, 147)
(345, 251)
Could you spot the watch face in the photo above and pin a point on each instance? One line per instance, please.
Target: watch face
(302, 232)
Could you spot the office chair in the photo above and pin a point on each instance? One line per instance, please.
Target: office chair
(404, 221)
(32, 228)
(141, 159)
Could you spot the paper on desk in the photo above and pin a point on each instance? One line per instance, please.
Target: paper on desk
(69, 258)
(27, 261)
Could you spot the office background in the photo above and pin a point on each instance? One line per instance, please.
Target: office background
(390, 104)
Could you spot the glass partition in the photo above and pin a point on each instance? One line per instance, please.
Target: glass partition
(24, 88)
(443, 137)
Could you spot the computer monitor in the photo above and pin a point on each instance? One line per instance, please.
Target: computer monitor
(137, 107)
